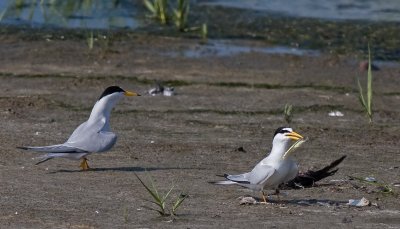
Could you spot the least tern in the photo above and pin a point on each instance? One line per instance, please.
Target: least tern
(92, 136)
(277, 168)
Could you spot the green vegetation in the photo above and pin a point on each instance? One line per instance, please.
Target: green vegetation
(90, 40)
(161, 200)
(181, 13)
(287, 112)
(159, 9)
(204, 32)
(381, 187)
(367, 102)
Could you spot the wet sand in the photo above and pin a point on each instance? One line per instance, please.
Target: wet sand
(49, 84)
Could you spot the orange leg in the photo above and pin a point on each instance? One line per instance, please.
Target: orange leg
(263, 196)
(84, 164)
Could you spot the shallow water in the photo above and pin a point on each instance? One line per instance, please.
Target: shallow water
(374, 10)
(108, 14)
(265, 20)
(93, 14)
(221, 48)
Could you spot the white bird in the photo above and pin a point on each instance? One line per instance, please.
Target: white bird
(277, 168)
(92, 136)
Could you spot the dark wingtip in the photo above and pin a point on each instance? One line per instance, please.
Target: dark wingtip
(22, 147)
(335, 163)
(44, 160)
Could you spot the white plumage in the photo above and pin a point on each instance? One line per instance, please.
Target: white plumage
(92, 136)
(274, 169)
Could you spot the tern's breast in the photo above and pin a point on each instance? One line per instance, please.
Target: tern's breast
(283, 169)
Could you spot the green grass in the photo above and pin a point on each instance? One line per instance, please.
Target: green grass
(287, 112)
(204, 32)
(177, 14)
(160, 201)
(366, 100)
(381, 187)
(181, 13)
(159, 10)
(90, 40)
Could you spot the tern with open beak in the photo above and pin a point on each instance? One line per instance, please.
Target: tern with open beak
(92, 136)
(277, 168)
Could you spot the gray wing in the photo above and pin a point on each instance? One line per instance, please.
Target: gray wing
(85, 138)
(260, 173)
(93, 142)
(90, 137)
(240, 178)
(61, 148)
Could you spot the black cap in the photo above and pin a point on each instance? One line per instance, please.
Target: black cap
(281, 130)
(111, 90)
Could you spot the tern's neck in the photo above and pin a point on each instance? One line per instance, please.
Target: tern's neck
(101, 112)
(278, 150)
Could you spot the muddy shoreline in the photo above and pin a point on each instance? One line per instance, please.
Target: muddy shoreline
(49, 84)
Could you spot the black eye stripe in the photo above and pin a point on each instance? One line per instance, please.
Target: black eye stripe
(281, 130)
(111, 90)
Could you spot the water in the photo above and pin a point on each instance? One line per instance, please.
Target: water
(374, 10)
(130, 14)
(106, 14)
(221, 48)
(94, 14)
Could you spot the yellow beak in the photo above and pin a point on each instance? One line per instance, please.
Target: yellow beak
(293, 135)
(130, 93)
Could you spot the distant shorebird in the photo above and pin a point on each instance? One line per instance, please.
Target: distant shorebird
(92, 136)
(277, 168)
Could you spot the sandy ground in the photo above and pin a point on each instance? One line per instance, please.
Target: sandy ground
(49, 85)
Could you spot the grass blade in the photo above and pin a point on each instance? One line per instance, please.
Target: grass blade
(178, 202)
(150, 6)
(153, 194)
(287, 111)
(152, 209)
(166, 195)
(90, 40)
(361, 95)
(369, 86)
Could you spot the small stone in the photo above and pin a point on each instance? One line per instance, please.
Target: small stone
(247, 200)
(359, 203)
(370, 179)
(336, 114)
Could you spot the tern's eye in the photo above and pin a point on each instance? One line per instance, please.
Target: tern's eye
(282, 130)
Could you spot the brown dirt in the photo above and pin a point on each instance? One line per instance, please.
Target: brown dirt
(49, 86)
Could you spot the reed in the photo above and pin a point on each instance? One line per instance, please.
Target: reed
(366, 100)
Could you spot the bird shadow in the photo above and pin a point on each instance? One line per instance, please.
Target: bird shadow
(123, 169)
(316, 202)
(307, 202)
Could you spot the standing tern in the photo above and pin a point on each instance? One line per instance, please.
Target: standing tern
(277, 168)
(92, 136)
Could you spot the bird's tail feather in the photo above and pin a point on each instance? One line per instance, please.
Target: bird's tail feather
(44, 159)
(224, 182)
(60, 148)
